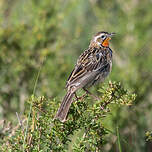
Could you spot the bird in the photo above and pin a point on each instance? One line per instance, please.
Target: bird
(92, 67)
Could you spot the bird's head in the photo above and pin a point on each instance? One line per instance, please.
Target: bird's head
(101, 39)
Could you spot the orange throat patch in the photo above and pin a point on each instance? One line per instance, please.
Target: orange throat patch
(106, 42)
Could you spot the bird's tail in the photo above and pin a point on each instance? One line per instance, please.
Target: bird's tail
(64, 107)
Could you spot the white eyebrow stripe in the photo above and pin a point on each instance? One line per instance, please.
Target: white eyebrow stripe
(95, 38)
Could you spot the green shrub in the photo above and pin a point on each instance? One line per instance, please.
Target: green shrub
(83, 130)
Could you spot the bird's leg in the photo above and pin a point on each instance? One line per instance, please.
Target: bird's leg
(88, 92)
(79, 98)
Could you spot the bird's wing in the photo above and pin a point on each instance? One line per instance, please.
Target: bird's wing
(90, 60)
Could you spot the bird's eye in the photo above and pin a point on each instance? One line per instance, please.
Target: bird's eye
(103, 36)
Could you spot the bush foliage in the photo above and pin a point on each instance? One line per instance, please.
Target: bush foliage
(39, 132)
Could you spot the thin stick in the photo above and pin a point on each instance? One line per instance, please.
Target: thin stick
(19, 120)
(35, 85)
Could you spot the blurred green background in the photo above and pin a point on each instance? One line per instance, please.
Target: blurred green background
(52, 34)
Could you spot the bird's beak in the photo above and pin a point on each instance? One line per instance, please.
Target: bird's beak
(111, 34)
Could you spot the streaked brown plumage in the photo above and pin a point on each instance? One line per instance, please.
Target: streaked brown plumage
(92, 67)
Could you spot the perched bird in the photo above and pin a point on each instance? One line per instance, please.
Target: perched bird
(92, 67)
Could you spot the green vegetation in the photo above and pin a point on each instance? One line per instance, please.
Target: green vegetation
(39, 44)
(85, 118)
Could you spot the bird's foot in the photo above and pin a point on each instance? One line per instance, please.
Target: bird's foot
(89, 93)
(79, 98)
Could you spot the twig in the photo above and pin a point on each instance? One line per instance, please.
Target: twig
(19, 120)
